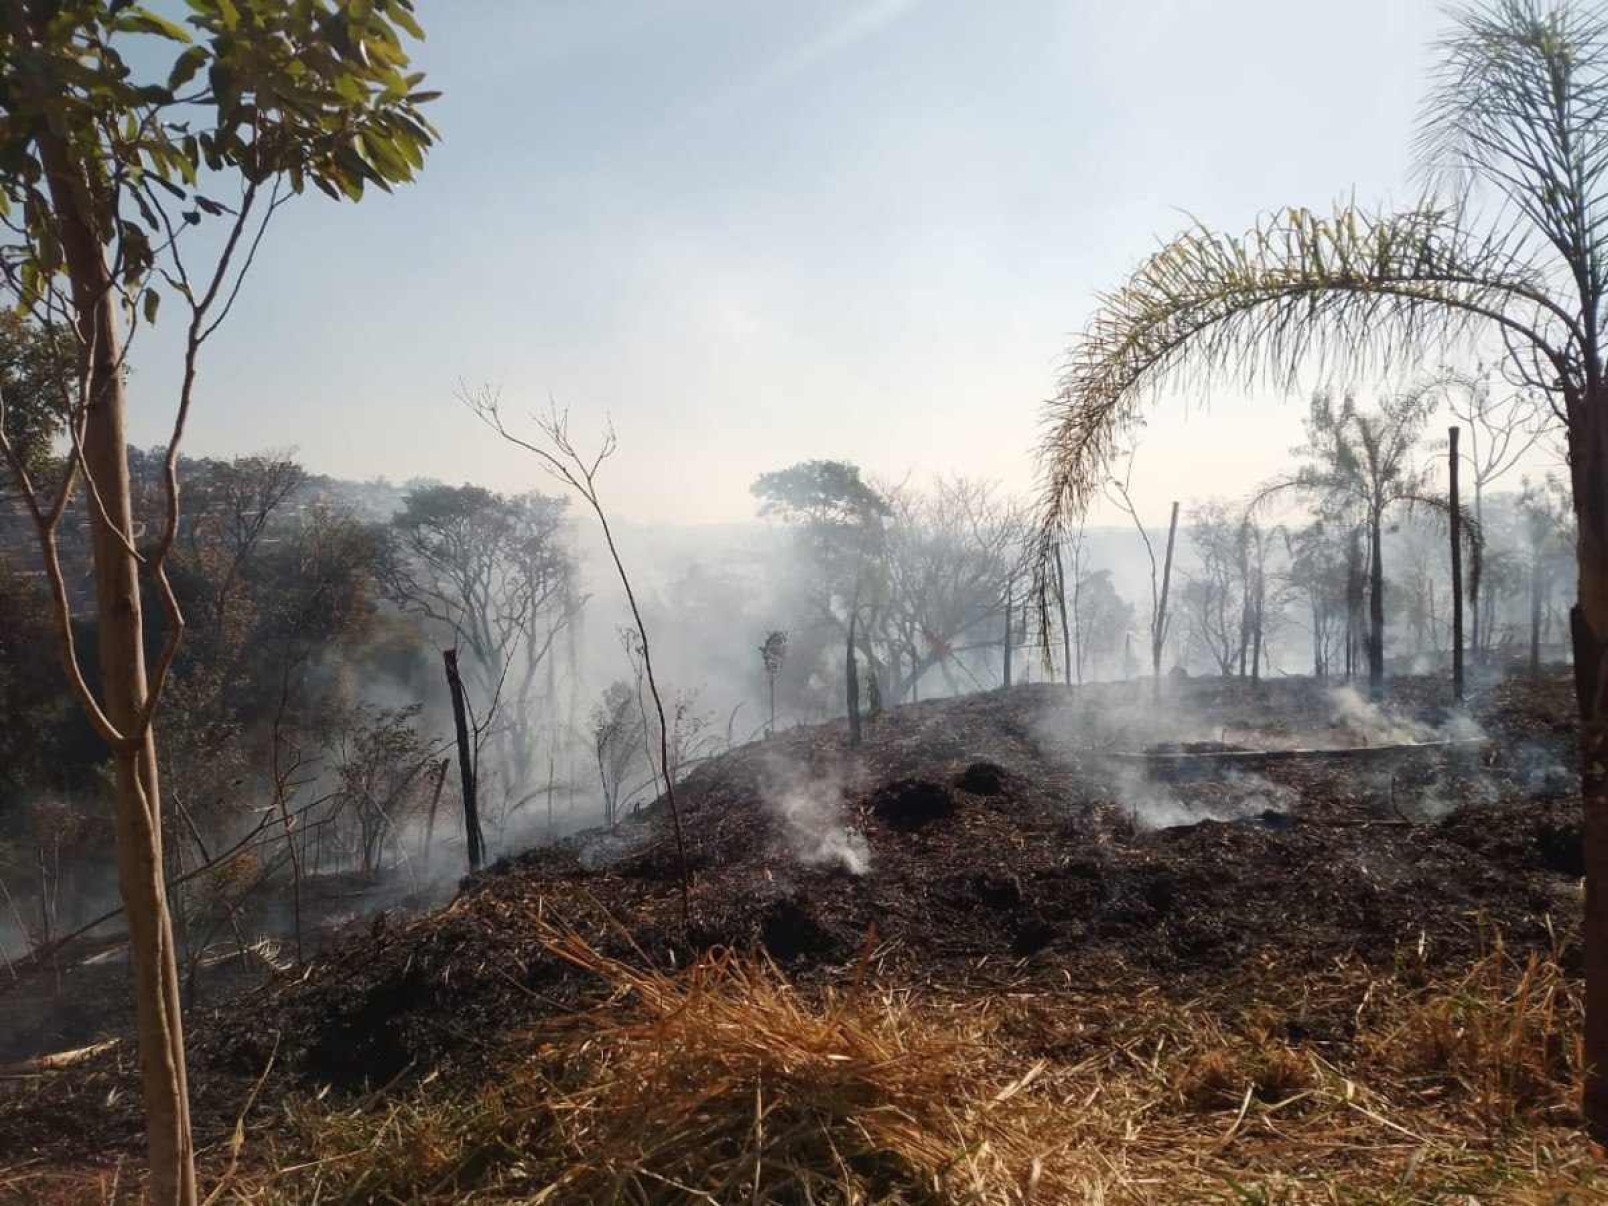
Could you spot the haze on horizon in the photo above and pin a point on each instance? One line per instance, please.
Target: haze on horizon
(750, 235)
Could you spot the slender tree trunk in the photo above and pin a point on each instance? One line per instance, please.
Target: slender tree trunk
(1478, 629)
(1354, 591)
(1008, 609)
(852, 683)
(1066, 630)
(1536, 579)
(1456, 525)
(121, 631)
(435, 802)
(1256, 631)
(467, 776)
(1158, 636)
(1376, 605)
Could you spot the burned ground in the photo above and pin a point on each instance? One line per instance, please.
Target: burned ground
(1007, 846)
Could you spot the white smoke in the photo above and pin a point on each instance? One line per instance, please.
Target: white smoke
(810, 810)
(1374, 726)
(1153, 804)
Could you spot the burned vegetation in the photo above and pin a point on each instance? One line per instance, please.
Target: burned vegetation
(998, 876)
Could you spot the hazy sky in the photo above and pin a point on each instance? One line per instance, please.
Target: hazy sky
(754, 233)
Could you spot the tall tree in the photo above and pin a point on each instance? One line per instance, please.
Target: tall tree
(114, 115)
(1512, 246)
(1502, 425)
(494, 575)
(1358, 466)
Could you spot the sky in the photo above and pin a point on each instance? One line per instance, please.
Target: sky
(751, 234)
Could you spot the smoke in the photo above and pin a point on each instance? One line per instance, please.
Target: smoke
(1373, 726)
(810, 810)
(1153, 804)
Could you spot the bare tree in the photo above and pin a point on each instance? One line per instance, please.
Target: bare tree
(1502, 424)
(1119, 491)
(558, 456)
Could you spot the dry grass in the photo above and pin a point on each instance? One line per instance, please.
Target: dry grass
(725, 1083)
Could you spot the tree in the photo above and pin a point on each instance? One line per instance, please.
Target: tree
(1160, 572)
(951, 551)
(617, 742)
(1217, 595)
(1317, 569)
(841, 524)
(565, 463)
(1502, 425)
(101, 156)
(1104, 621)
(37, 362)
(1512, 246)
(1544, 511)
(1358, 466)
(772, 656)
(493, 574)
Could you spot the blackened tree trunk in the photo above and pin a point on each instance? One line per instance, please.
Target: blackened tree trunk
(467, 775)
(1456, 525)
(1588, 449)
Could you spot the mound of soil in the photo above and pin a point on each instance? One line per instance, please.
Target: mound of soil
(911, 803)
(1045, 861)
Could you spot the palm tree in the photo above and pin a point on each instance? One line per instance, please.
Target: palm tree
(1510, 243)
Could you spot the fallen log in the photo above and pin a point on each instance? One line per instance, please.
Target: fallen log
(1364, 753)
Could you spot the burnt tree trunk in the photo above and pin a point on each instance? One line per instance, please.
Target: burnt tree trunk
(1456, 525)
(1588, 448)
(467, 775)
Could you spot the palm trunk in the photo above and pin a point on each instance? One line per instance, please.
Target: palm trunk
(1589, 624)
(121, 629)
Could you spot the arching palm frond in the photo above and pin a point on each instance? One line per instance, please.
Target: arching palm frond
(1520, 105)
(1349, 293)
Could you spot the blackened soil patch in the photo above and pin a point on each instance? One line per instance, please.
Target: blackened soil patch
(912, 803)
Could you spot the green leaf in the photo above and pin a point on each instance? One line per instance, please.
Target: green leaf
(150, 302)
(140, 20)
(186, 66)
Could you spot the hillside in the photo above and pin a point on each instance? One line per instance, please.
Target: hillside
(1007, 846)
